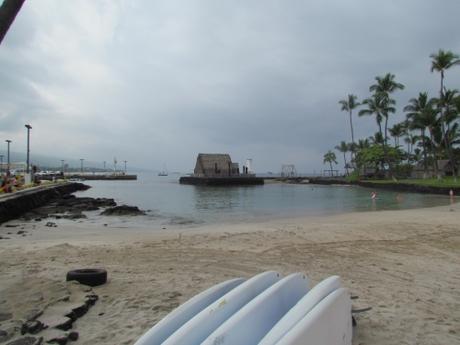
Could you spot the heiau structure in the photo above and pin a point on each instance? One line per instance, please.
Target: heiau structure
(218, 169)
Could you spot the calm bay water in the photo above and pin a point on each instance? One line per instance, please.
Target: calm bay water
(170, 203)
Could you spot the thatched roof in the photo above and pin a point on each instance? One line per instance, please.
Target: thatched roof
(213, 164)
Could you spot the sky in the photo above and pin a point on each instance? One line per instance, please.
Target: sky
(155, 82)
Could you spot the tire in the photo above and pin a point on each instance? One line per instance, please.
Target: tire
(88, 276)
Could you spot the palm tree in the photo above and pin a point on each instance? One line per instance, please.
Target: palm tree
(330, 157)
(343, 147)
(8, 12)
(421, 115)
(348, 105)
(397, 131)
(385, 86)
(440, 62)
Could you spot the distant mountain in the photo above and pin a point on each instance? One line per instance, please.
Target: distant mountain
(45, 162)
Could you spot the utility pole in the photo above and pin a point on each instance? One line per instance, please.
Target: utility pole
(8, 157)
(81, 164)
(29, 127)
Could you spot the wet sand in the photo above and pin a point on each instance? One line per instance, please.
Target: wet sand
(405, 264)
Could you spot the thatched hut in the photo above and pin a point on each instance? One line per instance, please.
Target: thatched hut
(215, 165)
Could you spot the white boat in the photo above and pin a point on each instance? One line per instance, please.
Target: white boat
(263, 310)
(179, 316)
(302, 308)
(328, 323)
(204, 323)
(255, 319)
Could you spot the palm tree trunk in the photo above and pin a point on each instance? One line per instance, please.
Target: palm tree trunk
(385, 149)
(352, 134)
(443, 128)
(346, 166)
(330, 164)
(434, 155)
(425, 165)
(8, 11)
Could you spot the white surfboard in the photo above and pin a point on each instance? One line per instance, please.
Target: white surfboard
(328, 323)
(255, 319)
(298, 311)
(179, 316)
(204, 323)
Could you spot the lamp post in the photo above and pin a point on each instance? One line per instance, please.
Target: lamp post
(81, 164)
(29, 127)
(125, 166)
(8, 157)
(1, 164)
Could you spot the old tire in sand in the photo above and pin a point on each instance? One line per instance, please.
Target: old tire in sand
(88, 276)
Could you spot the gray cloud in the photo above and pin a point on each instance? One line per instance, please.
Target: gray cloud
(157, 82)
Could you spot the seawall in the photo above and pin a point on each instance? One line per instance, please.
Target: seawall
(393, 186)
(18, 203)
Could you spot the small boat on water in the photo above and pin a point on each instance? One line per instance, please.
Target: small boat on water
(163, 172)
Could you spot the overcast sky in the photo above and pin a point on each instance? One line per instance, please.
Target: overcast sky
(158, 81)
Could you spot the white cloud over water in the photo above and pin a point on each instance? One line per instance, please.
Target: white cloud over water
(156, 82)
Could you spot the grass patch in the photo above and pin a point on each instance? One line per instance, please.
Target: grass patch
(446, 182)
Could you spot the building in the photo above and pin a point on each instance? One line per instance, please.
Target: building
(215, 165)
(218, 169)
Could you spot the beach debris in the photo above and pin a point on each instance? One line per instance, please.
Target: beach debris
(88, 276)
(32, 327)
(5, 316)
(26, 341)
(51, 225)
(122, 210)
(11, 225)
(61, 338)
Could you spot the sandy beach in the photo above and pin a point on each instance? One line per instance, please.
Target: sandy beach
(405, 264)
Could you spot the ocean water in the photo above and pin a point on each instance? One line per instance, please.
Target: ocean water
(169, 203)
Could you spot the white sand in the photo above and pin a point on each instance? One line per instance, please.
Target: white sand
(405, 264)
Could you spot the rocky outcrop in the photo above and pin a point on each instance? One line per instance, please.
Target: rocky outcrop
(17, 204)
(123, 210)
(68, 207)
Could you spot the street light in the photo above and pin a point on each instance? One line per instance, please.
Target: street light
(81, 164)
(29, 127)
(8, 157)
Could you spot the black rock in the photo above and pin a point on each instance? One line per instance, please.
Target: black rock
(123, 210)
(5, 316)
(32, 327)
(73, 336)
(26, 341)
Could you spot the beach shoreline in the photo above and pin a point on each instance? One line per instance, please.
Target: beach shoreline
(402, 263)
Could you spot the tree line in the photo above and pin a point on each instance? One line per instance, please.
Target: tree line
(430, 130)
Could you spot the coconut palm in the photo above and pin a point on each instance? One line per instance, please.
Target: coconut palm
(397, 131)
(442, 61)
(348, 105)
(330, 157)
(344, 147)
(385, 86)
(421, 115)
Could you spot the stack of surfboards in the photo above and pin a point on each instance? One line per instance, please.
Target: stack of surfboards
(265, 309)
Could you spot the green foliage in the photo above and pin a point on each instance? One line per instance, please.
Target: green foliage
(374, 156)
